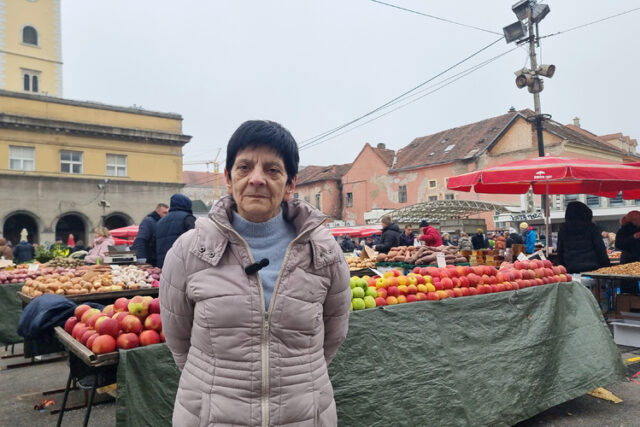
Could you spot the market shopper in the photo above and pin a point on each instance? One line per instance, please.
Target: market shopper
(145, 242)
(179, 220)
(514, 238)
(446, 239)
(24, 251)
(580, 245)
(255, 300)
(5, 250)
(628, 237)
(79, 246)
(390, 237)
(407, 238)
(101, 242)
(347, 244)
(501, 242)
(430, 236)
(465, 242)
(529, 237)
(479, 241)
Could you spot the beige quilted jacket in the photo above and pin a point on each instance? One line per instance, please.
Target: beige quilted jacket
(243, 365)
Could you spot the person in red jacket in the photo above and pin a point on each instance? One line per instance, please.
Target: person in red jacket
(430, 236)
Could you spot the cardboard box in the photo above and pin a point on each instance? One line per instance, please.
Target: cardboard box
(627, 303)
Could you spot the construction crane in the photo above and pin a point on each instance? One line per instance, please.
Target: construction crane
(216, 170)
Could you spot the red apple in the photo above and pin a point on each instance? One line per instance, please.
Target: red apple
(393, 291)
(450, 292)
(422, 296)
(80, 332)
(83, 339)
(162, 339)
(478, 270)
(109, 310)
(391, 300)
(131, 323)
(121, 304)
(87, 315)
(153, 321)
(432, 296)
(563, 270)
(500, 287)
(382, 292)
(103, 344)
(148, 337)
(91, 339)
(464, 281)
(94, 318)
(138, 306)
(457, 292)
(472, 291)
(401, 299)
(546, 263)
(381, 301)
(465, 292)
(424, 271)
(447, 283)
(79, 310)
(70, 323)
(412, 298)
(109, 326)
(128, 340)
(76, 328)
(456, 282)
(417, 270)
(420, 280)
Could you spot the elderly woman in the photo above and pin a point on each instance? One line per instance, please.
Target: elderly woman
(255, 299)
(101, 242)
(628, 237)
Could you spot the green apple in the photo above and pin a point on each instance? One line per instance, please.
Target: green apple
(372, 292)
(358, 304)
(369, 302)
(357, 292)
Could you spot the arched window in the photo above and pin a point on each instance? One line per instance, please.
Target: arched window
(30, 35)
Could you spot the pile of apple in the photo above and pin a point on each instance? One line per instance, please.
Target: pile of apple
(127, 323)
(432, 283)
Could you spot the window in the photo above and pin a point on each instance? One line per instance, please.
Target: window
(295, 196)
(433, 198)
(349, 200)
(30, 35)
(306, 199)
(22, 158)
(449, 197)
(569, 198)
(433, 183)
(593, 200)
(617, 201)
(402, 194)
(30, 80)
(71, 161)
(116, 165)
(318, 200)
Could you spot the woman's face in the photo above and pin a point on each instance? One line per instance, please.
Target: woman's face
(258, 183)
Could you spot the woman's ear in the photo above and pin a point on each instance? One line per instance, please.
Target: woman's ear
(227, 180)
(288, 194)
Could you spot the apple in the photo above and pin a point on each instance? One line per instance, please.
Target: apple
(457, 292)
(412, 298)
(381, 301)
(80, 332)
(472, 291)
(396, 273)
(403, 289)
(87, 315)
(519, 265)
(94, 318)
(480, 290)
(154, 306)
(494, 288)
(424, 271)
(422, 288)
(465, 291)
(109, 310)
(121, 304)
(500, 287)
(473, 279)
(401, 299)
(109, 326)
(421, 296)
(563, 270)
(79, 310)
(477, 269)
(381, 283)
(138, 306)
(120, 315)
(128, 340)
(442, 294)
(447, 283)
(100, 320)
(420, 280)
(76, 328)
(546, 263)
(433, 271)
(393, 291)
(514, 285)
(438, 286)
(431, 287)
(391, 300)
(416, 270)
(162, 339)
(83, 339)
(412, 289)
(70, 323)
(131, 323)
(371, 282)
(432, 296)
(91, 339)
(103, 344)
(153, 321)
(148, 337)
(508, 286)
(382, 293)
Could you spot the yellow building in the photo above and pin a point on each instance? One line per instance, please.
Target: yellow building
(30, 46)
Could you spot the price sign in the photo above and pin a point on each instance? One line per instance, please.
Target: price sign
(34, 267)
(522, 256)
(441, 260)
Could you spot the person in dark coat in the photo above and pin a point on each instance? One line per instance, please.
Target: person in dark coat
(580, 246)
(179, 220)
(145, 242)
(628, 238)
(80, 246)
(347, 244)
(514, 238)
(390, 237)
(5, 249)
(407, 237)
(24, 252)
(479, 241)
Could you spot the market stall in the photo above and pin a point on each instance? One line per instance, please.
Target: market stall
(489, 360)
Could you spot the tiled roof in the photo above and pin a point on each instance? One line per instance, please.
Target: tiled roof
(311, 174)
(201, 179)
(464, 142)
(581, 137)
(385, 154)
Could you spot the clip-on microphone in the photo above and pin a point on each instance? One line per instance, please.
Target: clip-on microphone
(254, 268)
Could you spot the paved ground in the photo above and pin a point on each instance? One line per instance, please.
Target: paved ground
(21, 389)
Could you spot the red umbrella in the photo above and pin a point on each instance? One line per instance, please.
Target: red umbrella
(119, 241)
(552, 175)
(341, 231)
(366, 232)
(124, 232)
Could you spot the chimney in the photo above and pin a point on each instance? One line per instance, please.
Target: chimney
(512, 109)
(381, 146)
(576, 121)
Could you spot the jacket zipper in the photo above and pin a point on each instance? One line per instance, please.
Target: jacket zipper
(264, 401)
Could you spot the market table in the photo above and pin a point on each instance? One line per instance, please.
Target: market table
(613, 279)
(492, 359)
(10, 309)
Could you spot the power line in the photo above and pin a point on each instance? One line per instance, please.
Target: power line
(588, 23)
(322, 135)
(436, 17)
(437, 87)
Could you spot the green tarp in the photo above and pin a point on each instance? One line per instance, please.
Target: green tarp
(491, 359)
(10, 309)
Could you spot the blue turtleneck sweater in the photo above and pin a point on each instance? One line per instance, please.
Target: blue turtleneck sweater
(269, 240)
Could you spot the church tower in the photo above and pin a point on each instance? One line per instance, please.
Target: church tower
(31, 46)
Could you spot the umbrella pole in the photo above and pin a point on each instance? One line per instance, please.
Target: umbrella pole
(547, 220)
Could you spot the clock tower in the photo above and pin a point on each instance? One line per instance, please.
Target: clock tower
(31, 47)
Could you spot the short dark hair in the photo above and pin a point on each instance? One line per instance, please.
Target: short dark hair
(256, 133)
(162, 205)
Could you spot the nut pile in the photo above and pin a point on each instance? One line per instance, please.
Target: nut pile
(357, 263)
(631, 269)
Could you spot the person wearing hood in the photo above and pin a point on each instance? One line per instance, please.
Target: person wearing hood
(145, 242)
(179, 220)
(628, 238)
(390, 237)
(514, 238)
(101, 242)
(479, 241)
(580, 246)
(430, 236)
(529, 237)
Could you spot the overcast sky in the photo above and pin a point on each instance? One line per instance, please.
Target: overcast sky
(316, 65)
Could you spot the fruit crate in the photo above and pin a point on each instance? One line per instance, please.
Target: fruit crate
(86, 355)
(100, 296)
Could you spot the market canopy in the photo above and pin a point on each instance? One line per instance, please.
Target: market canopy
(444, 209)
(125, 232)
(553, 175)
